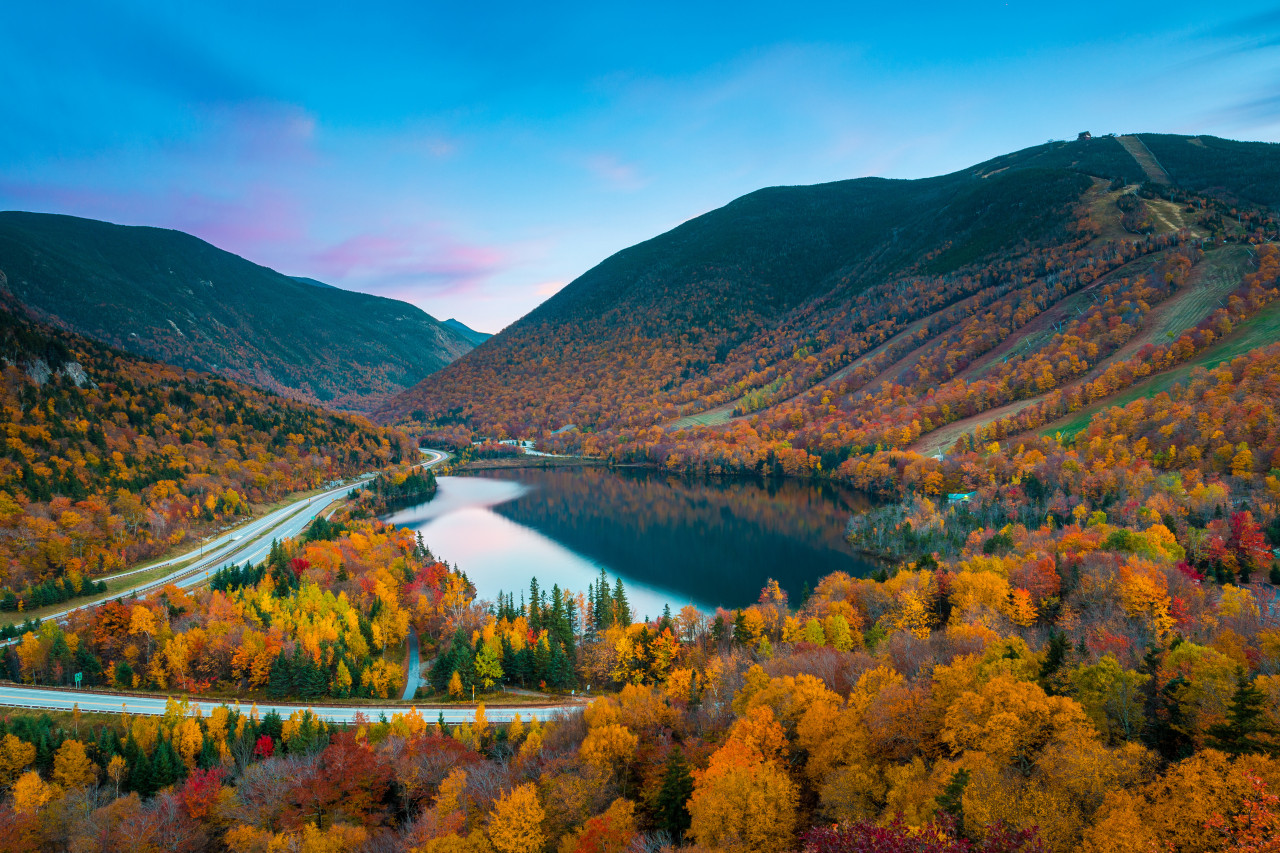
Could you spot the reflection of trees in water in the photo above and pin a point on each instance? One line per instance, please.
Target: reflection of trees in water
(715, 540)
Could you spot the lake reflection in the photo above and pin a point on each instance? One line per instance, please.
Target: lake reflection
(673, 540)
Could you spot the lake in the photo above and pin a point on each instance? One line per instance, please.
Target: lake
(673, 540)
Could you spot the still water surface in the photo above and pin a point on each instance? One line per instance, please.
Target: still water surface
(672, 540)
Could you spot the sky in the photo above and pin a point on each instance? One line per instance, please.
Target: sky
(475, 160)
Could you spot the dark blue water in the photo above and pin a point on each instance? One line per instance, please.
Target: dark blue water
(672, 540)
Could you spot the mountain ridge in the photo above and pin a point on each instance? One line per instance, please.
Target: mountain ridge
(169, 295)
(789, 289)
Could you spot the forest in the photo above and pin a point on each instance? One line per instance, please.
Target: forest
(110, 459)
(1078, 651)
(1069, 423)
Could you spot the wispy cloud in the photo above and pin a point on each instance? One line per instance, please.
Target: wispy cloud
(409, 262)
(615, 174)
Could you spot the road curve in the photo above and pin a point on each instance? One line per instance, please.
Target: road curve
(58, 699)
(250, 543)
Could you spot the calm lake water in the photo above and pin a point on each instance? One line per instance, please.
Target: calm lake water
(672, 540)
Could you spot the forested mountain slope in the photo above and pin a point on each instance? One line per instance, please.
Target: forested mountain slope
(764, 333)
(171, 296)
(110, 458)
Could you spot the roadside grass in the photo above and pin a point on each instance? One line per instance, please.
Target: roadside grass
(116, 587)
(123, 583)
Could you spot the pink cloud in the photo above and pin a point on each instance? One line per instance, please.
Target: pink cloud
(406, 261)
(549, 288)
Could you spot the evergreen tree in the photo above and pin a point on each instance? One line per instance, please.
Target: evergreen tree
(1247, 729)
(535, 606)
(141, 775)
(557, 623)
(1056, 655)
(670, 807)
(280, 679)
(951, 800)
(270, 725)
(1169, 735)
(166, 766)
(44, 753)
(559, 672)
(621, 607)
(542, 662)
(603, 603)
(208, 757)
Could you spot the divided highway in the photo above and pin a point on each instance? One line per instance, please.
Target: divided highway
(250, 543)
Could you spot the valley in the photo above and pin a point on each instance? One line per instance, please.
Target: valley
(932, 510)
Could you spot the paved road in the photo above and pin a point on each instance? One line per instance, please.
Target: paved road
(414, 676)
(251, 542)
(64, 700)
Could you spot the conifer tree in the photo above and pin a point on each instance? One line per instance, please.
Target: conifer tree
(1247, 729)
(671, 810)
(621, 607)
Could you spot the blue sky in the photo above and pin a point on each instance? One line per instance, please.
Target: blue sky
(473, 161)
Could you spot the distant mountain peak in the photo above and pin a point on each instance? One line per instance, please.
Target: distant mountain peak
(476, 338)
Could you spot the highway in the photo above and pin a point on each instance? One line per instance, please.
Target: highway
(58, 699)
(250, 543)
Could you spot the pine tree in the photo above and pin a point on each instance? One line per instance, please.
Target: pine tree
(560, 673)
(208, 757)
(1055, 656)
(142, 776)
(1247, 729)
(280, 679)
(535, 606)
(556, 622)
(621, 607)
(44, 753)
(541, 662)
(951, 800)
(603, 603)
(670, 807)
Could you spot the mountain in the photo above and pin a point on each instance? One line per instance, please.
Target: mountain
(132, 456)
(171, 296)
(311, 281)
(801, 325)
(476, 338)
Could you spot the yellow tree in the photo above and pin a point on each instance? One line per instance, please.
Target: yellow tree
(742, 802)
(609, 749)
(31, 792)
(515, 825)
(15, 756)
(72, 768)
